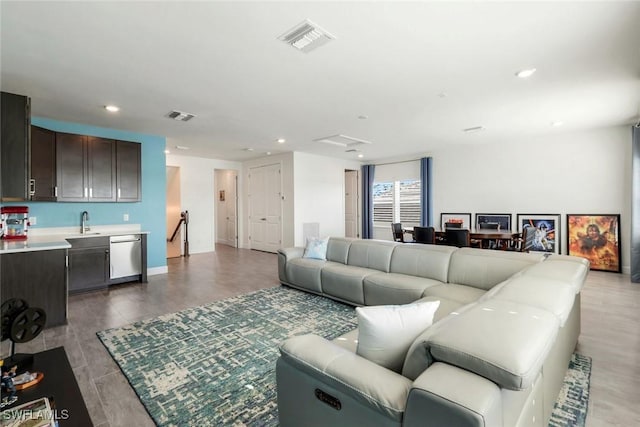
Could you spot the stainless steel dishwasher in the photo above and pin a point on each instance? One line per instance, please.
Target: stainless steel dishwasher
(126, 256)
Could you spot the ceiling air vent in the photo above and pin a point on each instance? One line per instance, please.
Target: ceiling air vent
(342, 140)
(180, 115)
(306, 36)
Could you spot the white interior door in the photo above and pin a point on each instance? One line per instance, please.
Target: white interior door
(351, 203)
(232, 210)
(265, 208)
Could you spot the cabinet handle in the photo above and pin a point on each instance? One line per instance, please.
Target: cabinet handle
(55, 191)
(32, 187)
(91, 192)
(119, 193)
(85, 191)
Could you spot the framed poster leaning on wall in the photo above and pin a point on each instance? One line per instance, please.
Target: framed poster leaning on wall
(546, 231)
(596, 238)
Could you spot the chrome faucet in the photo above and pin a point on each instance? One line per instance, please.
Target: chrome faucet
(83, 226)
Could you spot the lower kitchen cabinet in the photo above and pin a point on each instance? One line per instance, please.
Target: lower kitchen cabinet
(39, 278)
(88, 264)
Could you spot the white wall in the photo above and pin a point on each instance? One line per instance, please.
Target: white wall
(197, 191)
(319, 193)
(570, 173)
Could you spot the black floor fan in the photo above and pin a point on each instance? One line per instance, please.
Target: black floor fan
(20, 324)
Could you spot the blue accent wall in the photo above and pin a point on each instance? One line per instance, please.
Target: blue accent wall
(150, 213)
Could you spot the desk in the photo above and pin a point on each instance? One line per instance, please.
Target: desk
(58, 383)
(484, 234)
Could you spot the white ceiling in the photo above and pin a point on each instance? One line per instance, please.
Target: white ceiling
(420, 71)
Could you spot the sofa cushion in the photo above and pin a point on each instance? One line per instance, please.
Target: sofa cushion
(549, 294)
(446, 307)
(429, 261)
(418, 356)
(344, 282)
(305, 273)
(569, 269)
(349, 340)
(503, 341)
(316, 248)
(375, 254)
(387, 331)
(461, 293)
(483, 269)
(394, 288)
(338, 249)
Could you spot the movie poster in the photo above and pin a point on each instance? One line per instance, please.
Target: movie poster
(596, 238)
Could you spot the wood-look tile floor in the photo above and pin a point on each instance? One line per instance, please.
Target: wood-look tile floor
(610, 331)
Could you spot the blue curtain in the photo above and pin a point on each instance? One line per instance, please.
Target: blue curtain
(426, 194)
(635, 205)
(368, 172)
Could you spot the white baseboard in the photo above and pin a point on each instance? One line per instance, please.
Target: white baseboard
(157, 270)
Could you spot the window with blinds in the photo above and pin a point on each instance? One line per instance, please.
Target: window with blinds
(397, 201)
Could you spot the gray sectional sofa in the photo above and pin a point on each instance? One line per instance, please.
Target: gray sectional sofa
(495, 355)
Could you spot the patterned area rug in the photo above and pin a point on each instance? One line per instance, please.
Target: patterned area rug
(215, 364)
(571, 407)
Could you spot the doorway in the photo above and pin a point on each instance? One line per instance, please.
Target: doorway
(351, 197)
(265, 208)
(226, 216)
(174, 248)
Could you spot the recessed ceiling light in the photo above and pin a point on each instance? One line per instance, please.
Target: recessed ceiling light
(557, 123)
(112, 108)
(363, 117)
(523, 74)
(474, 129)
(281, 140)
(182, 147)
(268, 153)
(248, 149)
(360, 155)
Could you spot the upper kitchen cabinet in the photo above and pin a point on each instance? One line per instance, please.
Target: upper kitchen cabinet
(128, 161)
(43, 165)
(86, 168)
(15, 120)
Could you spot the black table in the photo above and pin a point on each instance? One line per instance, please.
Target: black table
(58, 383)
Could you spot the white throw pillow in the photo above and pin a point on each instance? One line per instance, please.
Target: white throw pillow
(316, 248)
(386, 332)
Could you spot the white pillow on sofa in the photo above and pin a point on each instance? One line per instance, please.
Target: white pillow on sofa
(385, 332)
(316, 248)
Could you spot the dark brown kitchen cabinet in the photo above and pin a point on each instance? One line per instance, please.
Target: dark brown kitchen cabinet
(39, 278)
(15, 120)
(128, 161)
(88, 264)
(86, 168)
(42, 186)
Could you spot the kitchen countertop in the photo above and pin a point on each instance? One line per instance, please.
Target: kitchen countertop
(56, 238)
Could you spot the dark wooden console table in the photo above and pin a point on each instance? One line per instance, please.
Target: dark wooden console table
(58, 383)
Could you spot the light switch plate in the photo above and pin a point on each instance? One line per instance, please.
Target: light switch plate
(125, 217)
(32, 220)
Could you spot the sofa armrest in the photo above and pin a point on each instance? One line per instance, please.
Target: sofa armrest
(447, 395)
(284, 256)
(371, 385)
(290, 253)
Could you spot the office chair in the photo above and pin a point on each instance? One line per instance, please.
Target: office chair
(424, 235)
(457, 237)
(396, 230)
